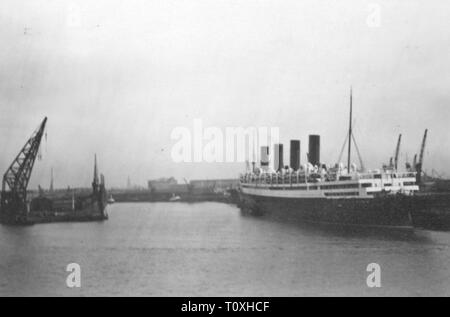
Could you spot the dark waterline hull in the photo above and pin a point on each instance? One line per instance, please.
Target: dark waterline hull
(88, 213)
(393, 211)
(432, 211)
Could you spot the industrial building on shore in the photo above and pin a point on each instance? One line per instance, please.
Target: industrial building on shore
(193, 187)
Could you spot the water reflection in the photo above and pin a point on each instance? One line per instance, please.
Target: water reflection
(334, 230)
(209, 249)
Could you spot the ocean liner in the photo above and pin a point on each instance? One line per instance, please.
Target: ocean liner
(344, 195)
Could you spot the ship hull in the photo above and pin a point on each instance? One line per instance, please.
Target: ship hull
(90, 211)
(432, 211)
(387, 211)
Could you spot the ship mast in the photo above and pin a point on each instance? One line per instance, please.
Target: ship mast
(350, 132)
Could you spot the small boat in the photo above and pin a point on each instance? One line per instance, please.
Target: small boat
(111, 200)
(174, 198)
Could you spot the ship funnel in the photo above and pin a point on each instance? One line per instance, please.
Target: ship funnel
(264, 158)
(295, 155)
(314, 150)
(278, 157)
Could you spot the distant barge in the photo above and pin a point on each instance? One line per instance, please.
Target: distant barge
(17, 209)
(75, 209)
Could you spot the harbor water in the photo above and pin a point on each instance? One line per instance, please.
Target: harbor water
(210, 249)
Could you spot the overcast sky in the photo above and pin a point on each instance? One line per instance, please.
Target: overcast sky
(116, 77)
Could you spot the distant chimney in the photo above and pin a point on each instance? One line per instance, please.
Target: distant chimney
(314, 150)
(264, 157)
(278, 157)
(51, 182)
(295, 155)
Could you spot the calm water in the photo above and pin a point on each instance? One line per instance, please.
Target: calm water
(209, 249)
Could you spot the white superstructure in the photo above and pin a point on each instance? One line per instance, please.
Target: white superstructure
(328, 185)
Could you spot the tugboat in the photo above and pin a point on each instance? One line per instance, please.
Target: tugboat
(111, 200)
(174, 198)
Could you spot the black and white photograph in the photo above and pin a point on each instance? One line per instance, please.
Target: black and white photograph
(199, 149)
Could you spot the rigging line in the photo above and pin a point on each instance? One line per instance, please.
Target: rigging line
(342, 150)
(359, 154)
(345, 143)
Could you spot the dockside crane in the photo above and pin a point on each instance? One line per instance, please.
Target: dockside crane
(17, 177)
(397, 151)
(419, 164)
(393, 161)
(415, 162)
